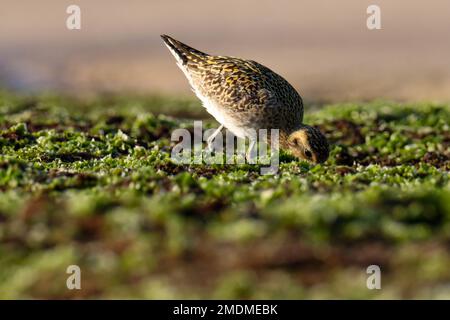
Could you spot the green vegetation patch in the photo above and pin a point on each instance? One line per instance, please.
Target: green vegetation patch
(91, 183)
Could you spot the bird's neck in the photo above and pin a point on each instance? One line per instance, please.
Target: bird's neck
(285, 133)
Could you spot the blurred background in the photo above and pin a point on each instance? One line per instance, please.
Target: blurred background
(325, 50)
(89, 182)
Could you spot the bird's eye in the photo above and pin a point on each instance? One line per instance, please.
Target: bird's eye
(308, 154)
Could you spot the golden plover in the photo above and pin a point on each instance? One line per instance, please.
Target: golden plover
(245, 96)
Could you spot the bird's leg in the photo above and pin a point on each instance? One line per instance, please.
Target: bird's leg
(251, 154)
(211, 138)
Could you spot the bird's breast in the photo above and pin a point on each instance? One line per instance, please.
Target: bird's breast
(231, 121)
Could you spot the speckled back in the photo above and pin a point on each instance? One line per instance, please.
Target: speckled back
(249, 92)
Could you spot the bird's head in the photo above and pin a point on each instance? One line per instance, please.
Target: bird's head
(308, 143)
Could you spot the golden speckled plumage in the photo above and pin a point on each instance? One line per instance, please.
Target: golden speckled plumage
(240, 94)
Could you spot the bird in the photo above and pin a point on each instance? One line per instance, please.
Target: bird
(245, 96)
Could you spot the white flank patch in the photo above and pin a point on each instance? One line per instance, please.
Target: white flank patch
(219, 113)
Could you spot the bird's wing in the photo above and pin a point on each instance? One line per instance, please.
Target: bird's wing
(183, 53)
(244, 85)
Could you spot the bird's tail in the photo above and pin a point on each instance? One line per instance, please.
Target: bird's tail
(182, 52)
